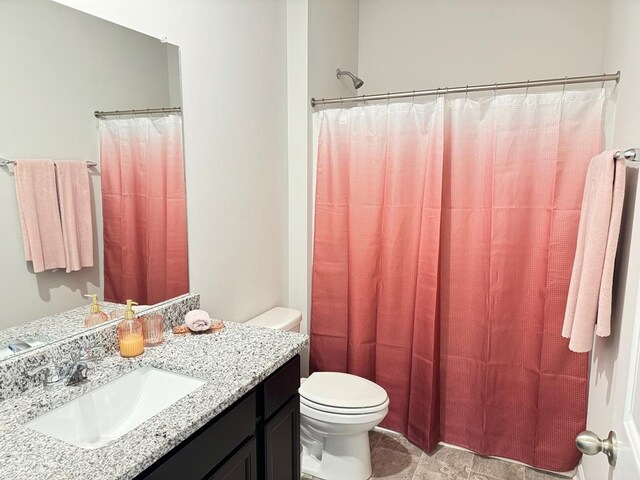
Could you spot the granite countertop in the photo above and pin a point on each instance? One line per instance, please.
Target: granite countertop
(232, 362)
(57, 326)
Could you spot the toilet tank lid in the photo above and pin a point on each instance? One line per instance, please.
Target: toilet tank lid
(342, 390)
(280, 318)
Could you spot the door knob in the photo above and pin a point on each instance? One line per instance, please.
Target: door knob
(590, 444)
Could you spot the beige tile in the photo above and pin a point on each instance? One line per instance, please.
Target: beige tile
(444, 463)
(449, 455)
(446, 473)
(480, 476)
(497, 468)
(397, 442)
(391, 464)
(532, 474)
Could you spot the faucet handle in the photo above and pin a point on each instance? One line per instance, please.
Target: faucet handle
(78, 372)
(52, 374)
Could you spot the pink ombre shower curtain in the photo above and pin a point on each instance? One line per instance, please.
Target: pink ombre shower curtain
(144, 209)
(444, 240)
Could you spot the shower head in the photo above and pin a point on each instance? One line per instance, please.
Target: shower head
(357, 82)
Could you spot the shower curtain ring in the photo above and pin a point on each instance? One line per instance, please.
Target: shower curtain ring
(526, 91)
(341, 103)
(466, 92)
(388, 97)
(495, 90)
(603, 77)
(413, 97)
(564, 85)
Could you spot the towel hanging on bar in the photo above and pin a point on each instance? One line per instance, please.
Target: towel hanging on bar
(5, 163)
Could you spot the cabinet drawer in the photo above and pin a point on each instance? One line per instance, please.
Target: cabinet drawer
(205, 449)
(281, 386)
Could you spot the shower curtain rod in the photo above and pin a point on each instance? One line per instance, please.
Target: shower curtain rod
(605, 77)
(144, 111)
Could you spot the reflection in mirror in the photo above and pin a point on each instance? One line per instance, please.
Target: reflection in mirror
(68, 228)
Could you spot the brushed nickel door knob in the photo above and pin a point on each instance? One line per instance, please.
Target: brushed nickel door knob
(590, 444)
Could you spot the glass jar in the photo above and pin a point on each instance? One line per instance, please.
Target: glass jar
(152, 329)
(130, 337)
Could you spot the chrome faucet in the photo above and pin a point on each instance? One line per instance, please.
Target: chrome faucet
(71, 374)
(77, 372)
(52, 373)
(17, 346)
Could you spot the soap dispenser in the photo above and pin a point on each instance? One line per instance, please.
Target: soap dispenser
(130, 333)
(95, 315)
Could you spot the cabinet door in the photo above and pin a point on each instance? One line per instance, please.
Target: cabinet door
(282, 443)
(194, 458)
(243, 465)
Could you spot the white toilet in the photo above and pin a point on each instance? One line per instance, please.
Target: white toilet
(337, 410)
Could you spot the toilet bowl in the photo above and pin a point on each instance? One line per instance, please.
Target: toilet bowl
(337, 410)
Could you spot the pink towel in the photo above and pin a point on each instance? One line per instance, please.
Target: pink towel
(39, 214)
(198, 320)
(74, 198)
(589, 298)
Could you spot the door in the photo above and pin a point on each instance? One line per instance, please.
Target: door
(626, 417)
(614, 393)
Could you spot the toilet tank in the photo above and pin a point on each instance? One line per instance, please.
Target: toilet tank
(280, 318)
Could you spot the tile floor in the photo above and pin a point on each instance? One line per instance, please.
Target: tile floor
(394, 457)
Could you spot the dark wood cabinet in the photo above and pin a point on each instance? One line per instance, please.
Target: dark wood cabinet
(243, 465)
(278, 388)
(258, 437)
(282, 443)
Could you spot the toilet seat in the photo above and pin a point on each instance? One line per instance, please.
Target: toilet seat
(342, 419)
(342, 393)
(343, 410)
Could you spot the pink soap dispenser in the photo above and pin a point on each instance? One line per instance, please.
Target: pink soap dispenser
(95, 316)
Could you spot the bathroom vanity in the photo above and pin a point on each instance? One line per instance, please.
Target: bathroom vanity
(240, 422)
(258, 437)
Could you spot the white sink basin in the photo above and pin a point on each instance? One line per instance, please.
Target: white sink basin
(106, 413)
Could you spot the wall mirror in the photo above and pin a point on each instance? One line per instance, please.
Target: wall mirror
(120, 230)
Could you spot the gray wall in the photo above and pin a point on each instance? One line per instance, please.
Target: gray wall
(416, 44)
(58, 66)
(233, 56)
